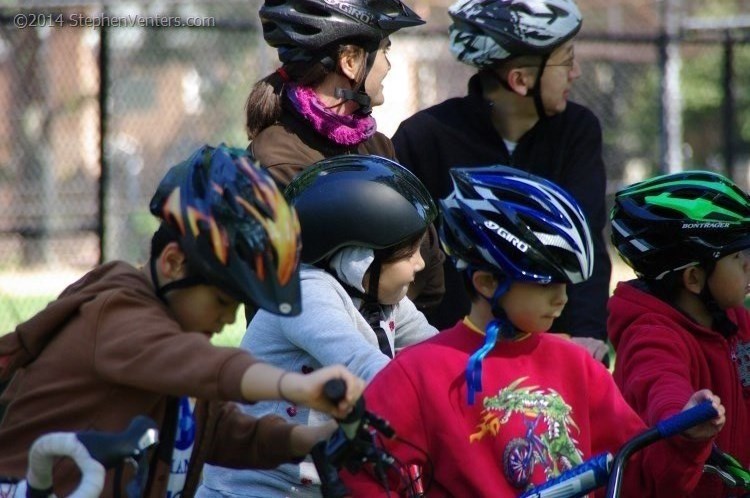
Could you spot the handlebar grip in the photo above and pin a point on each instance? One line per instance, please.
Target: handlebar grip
(578, 481)
(335, 390)
(92, 452)
(47, 448)
(686, 419)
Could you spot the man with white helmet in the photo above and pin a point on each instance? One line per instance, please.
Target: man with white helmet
(517, 113)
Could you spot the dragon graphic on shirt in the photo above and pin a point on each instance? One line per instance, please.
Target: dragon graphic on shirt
(548, 440)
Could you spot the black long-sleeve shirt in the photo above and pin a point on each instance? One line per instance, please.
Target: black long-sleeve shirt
(565, 148)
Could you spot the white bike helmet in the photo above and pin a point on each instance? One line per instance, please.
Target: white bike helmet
(485, 32)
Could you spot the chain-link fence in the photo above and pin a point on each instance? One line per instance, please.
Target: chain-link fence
(94, 117)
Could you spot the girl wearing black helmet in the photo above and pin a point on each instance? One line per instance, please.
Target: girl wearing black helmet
(682, 324)
(317, 104)
(493, 404)
(517, 113)
(362, 218)
(126, 341)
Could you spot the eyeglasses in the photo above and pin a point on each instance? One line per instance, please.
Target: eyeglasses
(569, 63)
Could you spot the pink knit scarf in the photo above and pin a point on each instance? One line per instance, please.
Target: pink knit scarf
(343, 130)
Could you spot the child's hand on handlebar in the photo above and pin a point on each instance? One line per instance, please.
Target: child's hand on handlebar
(309, 390)
(708, 429)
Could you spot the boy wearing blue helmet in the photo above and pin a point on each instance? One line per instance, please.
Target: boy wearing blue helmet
(493, 405)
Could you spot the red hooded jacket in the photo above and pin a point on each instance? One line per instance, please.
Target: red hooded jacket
(663, 356)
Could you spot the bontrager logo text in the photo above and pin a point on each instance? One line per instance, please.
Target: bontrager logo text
(517, 243)
(705, 225)
(358, 14)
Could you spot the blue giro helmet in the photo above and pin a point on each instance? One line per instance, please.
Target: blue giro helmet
(517, 224)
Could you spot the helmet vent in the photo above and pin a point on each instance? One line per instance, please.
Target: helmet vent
(311, 10)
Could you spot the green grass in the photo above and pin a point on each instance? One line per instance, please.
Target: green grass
(16, 309)
(232, 334)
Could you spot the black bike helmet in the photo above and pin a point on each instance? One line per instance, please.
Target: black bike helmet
(305, 30)
(237, 231)
(485, 32)
(675, 221)
(358, 200)
(312, 30)
(516, 224)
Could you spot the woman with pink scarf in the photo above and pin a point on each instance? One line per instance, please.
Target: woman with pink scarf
(317, 104)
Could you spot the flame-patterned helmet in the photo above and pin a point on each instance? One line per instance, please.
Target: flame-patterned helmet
(305, 29)
(517, 224)
(674, 221)
(235, 227)
(485, 32)
(358, 200)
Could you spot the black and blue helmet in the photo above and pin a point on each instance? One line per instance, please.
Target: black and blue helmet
(517, 224)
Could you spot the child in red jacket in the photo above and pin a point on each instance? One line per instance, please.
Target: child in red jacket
(681, 325)
(494, 405)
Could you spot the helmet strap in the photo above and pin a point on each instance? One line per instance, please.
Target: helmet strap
(155, 279)
(374, 280)
(162, 290)
(370, 309)
(357, 93)
(371, 296)
(536, 90)
(503, 285)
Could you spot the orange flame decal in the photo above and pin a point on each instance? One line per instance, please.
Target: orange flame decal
(282, 227)
(171, 209)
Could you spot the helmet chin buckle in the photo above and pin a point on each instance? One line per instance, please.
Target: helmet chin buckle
(359, 96)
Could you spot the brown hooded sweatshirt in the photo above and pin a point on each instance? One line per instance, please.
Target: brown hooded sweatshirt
(108, 349)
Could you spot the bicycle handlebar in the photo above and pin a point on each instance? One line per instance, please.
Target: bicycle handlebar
(93, 453)
(671, 426)
(335, 391)
(351, 446)
(604, 469)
